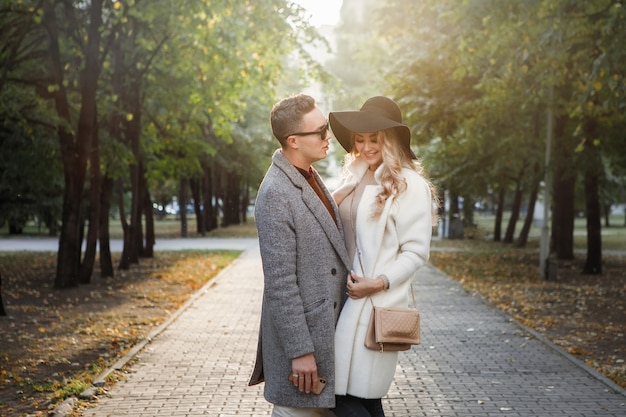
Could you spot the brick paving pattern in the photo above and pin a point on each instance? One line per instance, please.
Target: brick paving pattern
(473, 361)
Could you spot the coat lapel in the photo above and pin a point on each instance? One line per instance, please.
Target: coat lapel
(313, 202)
(334, 232)
(357, 170)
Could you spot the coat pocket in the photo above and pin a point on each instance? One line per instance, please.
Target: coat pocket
(320, 319)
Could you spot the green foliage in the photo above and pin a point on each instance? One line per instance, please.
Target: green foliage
(473, 78)
(204, 75)
(362, 56)
(31, 181)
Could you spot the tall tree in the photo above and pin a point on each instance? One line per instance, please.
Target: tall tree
(478, 73)
(74, 146)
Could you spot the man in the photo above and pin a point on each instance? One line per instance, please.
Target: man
(304, 265)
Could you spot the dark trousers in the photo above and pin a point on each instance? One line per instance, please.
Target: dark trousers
(349, 406)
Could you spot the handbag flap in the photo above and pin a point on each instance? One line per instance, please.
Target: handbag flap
(397, 325)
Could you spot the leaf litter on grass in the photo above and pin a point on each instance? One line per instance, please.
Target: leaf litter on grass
(54, 342)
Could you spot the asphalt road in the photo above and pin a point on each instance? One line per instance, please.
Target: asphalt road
(52, 244)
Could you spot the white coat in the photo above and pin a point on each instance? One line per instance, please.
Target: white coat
(396, 245)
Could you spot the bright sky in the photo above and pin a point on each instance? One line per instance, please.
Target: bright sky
(323, 12)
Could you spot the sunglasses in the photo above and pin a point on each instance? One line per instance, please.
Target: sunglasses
(323, 132)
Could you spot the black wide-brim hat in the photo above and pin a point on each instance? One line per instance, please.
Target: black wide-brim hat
(377, 113)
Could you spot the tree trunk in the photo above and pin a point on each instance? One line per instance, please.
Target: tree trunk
(522, 239)
(116, 121)
(563, 216)
(136, 230)
(497, 230)
(593, 167)
(245, 202)
(86, 268)
(106, 262)
(207, 199)
(126, 85)
(196, 195)
(124, 264)
(563, 206)
(212, 182)
(14, 229)
(232, 201)
(141, 214)
(73, 148)
(69, 247)
(468, 211)
(454, 203)
(220, 195)
(593, 264)
(50, 221)
(515, 209)
(182, 204)
(148, 251)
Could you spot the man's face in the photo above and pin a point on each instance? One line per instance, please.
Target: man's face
(314, 139)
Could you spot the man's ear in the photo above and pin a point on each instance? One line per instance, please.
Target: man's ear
(291, 142)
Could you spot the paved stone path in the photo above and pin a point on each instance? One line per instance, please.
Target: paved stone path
(473, 360)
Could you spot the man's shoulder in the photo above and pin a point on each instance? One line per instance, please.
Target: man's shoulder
(276, 186)
(282, 175)
(275, 178)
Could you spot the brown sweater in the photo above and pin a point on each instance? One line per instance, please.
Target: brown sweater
(310, 178)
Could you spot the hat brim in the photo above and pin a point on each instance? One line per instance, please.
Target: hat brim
(343, 123)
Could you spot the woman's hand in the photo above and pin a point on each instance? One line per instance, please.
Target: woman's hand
(360, 287)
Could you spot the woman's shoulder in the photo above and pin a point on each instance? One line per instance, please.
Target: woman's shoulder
(412, 175)
(416, 183)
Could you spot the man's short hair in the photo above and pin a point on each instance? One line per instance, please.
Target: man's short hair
(286, 115)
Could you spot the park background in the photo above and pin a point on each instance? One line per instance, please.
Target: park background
(118, 114)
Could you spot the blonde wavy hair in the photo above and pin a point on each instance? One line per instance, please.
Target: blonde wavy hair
(395, 157)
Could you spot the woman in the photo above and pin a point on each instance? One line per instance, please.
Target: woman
(386, 207)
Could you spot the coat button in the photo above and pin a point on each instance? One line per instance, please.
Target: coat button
(333, 271)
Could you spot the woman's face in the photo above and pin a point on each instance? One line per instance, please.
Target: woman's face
(369, 147)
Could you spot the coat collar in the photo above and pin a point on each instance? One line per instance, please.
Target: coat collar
(282, 163)
(313, 202)
(356, 170)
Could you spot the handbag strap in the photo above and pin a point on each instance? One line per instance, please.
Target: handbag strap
(412, 296)
(358, 252)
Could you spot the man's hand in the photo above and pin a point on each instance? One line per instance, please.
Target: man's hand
(304, 373)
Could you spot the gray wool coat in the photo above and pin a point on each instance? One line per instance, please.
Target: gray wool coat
(305, 269)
